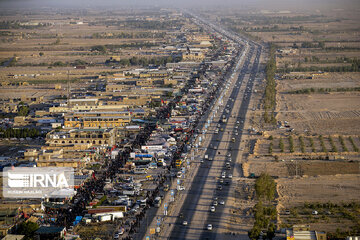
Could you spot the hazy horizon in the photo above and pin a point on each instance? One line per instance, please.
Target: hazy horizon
(259, 4)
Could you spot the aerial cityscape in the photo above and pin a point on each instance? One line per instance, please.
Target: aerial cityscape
(156, 119)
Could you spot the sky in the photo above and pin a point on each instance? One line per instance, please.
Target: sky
(260, 4)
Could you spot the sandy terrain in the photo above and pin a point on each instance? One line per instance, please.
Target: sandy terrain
(296, 191)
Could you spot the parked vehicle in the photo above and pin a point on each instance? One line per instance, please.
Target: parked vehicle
(157, 202)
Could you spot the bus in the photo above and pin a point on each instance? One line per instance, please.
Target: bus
(178, 163)
(157, 201)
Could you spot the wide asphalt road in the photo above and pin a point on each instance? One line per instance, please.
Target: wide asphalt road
(197, 204)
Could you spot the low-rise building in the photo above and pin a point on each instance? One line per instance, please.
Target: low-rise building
(303, 232)
(93, 137)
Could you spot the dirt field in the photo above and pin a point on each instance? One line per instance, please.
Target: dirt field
(321, 113)
(337, 189)
(296, 191)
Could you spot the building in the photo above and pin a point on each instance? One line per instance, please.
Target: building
(93, 137)
(193, 56)
(51, 232)
(97, 119)
(13, 237)
(303, 232)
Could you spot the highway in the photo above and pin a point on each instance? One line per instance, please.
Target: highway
(204, 186)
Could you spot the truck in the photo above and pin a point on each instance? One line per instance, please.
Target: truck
(86, 220)
(116, 215)
(104, 218)
(130, 192)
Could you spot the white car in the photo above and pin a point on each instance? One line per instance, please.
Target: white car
(230, 176)
(222, 202)
(212, 209)
(209, 227)
(181, 188)
(185, 223)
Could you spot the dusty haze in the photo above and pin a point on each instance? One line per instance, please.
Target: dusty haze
(260, 4)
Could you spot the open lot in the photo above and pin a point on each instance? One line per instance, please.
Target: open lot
(337, 189)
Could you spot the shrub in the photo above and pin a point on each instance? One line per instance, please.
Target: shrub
(291, 144)
(355, 148)
(342, 142)
(321, 139)
(302, 144)
(333, 147)
(281, 145)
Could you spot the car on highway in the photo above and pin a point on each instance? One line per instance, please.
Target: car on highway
(219, 187)
(222, 202)
(230, 176)
(209, 227)
(215, 203)
(185, 223)
(212, 209)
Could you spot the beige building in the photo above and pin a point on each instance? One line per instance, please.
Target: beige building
(193, 56)
(93, 137)
(303, 232)
(97, 119)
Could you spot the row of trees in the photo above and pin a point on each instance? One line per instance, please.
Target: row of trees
(19, 25)
(265, 216)
(19, 133)
(55, 64)
(142, 61)
(140, 24)
(114, 47)
(324, 90)
(270, 90)
(128, 35)
(354, 67)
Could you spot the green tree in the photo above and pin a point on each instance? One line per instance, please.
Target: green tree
(23, 110)
(254, 233)
(265, 187)
(271, 231)
(28, 229)
(99, 48)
